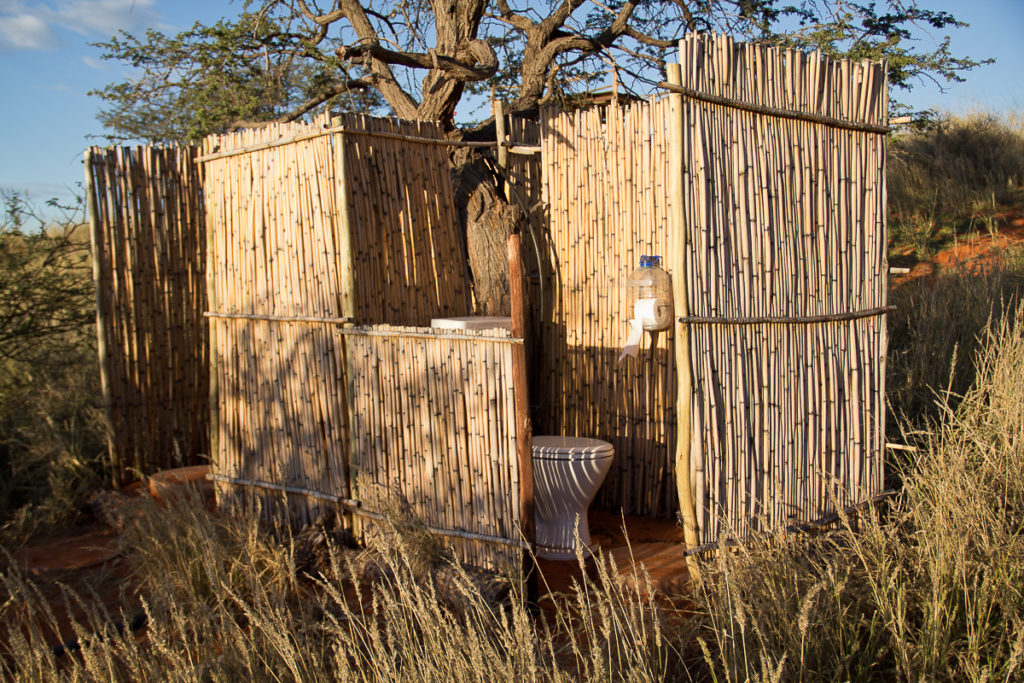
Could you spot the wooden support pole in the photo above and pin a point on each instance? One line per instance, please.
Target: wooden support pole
(347, 284)
(348, 310)
(677, 263)
(523, 426)
(211, 302)
(778, 112)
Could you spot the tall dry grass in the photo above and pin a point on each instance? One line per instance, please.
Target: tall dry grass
(936, 331)
(931, 590)
(224, 602)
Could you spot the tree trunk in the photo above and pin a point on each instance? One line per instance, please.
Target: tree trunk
(488, 220)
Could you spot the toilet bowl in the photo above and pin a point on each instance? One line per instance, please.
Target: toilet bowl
(567, 471)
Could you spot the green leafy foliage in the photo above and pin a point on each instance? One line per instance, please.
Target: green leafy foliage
(208, 78)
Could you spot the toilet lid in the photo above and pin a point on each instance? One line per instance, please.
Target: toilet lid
(570, 448)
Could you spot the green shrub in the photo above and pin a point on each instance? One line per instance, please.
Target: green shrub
(954, 175)
(51, 427)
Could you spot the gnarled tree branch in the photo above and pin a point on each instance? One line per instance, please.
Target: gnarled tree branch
(475, 62)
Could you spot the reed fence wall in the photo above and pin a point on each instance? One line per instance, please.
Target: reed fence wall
(605, 173)
(313, 228)
(761, 182)
(149, 244)
(408, 253)
(276, 251)
(788, 220)
(784, 221)
(434, 426)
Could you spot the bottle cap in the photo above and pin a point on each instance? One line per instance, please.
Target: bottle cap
(652, 261)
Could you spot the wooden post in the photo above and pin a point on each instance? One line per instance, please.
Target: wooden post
(211, 301)
(523, 426)
(677, 264)
(348, 310)
(98, 254)
(347, 284)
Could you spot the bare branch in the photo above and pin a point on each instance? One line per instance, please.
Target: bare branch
(475, 62)
(567, 42)
(513, 19)
(322, 19)
(401, 102)
(647, 40)
(558, 18)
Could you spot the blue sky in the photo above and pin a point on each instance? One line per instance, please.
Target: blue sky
(47, 69)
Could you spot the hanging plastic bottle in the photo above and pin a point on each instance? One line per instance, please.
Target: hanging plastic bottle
(651, 290)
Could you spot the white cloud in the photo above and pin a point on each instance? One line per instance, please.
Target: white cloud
(24, 32)
(36, 25)
(106, 17)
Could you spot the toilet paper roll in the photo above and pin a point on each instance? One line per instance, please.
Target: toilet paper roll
(646, 311)
(636, 333)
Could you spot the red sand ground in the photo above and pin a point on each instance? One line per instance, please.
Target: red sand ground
(977, 251)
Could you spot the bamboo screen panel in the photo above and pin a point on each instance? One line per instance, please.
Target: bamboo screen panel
(408, 253)
(275, 252)
(786, 218)
(149, 248)
(434, 423)
(428, 412)
(605, 173)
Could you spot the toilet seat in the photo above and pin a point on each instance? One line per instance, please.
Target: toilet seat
(570, 448)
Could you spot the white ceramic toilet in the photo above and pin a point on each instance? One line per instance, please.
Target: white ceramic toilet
(567, 471)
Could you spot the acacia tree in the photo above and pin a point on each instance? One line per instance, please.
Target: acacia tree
(282, 59)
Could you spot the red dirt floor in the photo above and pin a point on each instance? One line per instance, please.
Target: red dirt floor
(654, 544)
(89, 565)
